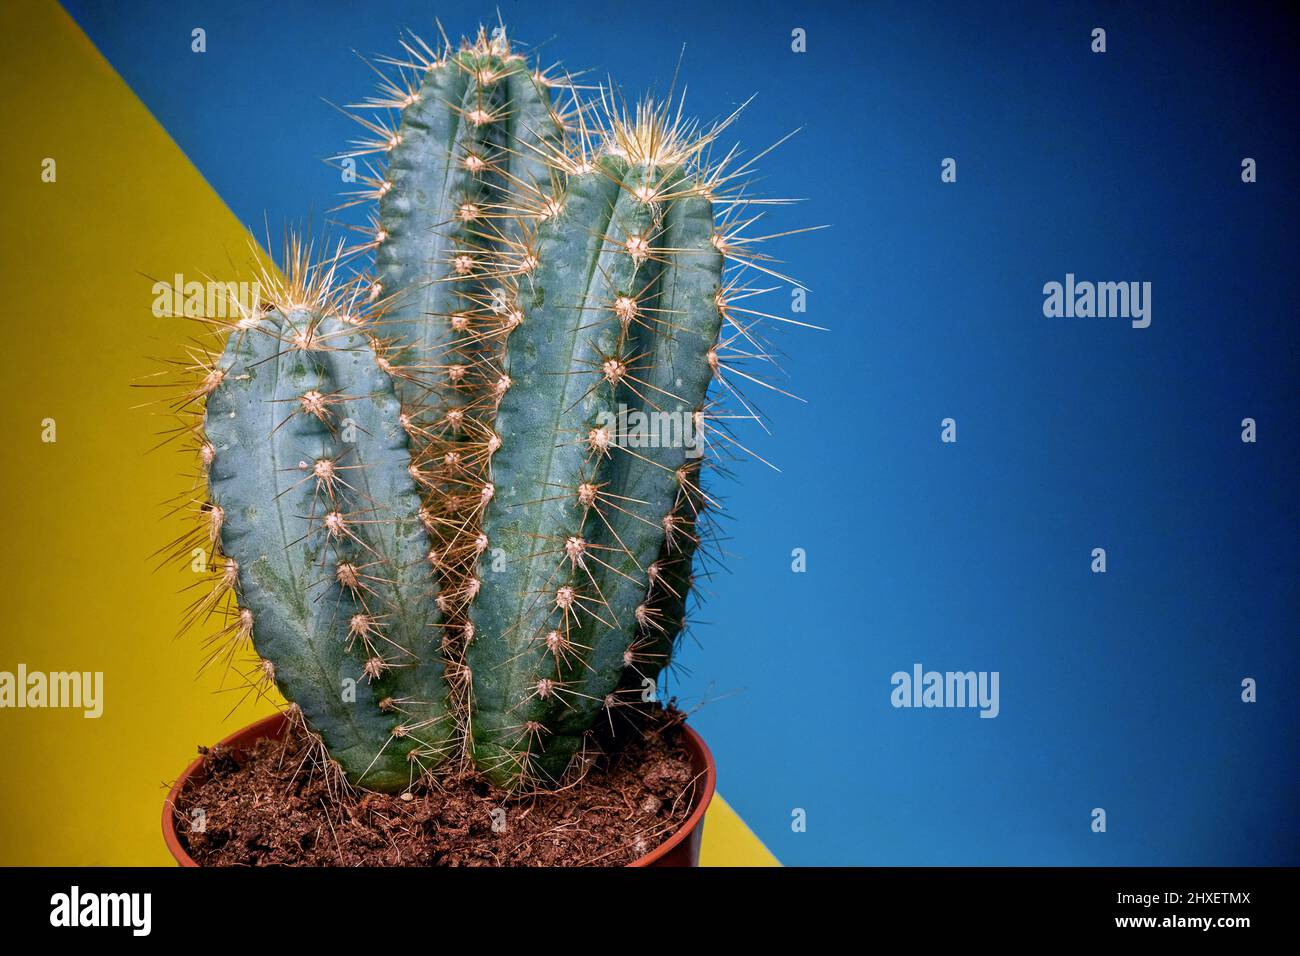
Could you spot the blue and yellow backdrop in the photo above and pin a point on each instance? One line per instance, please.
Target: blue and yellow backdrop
(1120, 691)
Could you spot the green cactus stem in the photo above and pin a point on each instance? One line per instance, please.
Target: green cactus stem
(310, 488)
(660, 480)
(476, 130)
(621, 310)
(471, 147)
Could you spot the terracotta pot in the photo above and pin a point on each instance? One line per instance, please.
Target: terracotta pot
(680, 849)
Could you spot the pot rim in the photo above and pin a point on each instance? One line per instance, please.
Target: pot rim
(273, 724)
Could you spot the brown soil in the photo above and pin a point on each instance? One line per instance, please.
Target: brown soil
(266, 806)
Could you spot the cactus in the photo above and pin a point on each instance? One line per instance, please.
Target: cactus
(434, 487)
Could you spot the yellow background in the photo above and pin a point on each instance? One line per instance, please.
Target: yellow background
(80, 517)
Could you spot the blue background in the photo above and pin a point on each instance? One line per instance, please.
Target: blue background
(1120, 690)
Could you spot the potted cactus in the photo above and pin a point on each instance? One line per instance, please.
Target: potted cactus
(434, 508)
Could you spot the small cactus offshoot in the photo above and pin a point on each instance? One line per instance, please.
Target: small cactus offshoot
(455, 500)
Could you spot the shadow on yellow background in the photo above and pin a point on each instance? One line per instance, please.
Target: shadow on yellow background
(80, 516)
